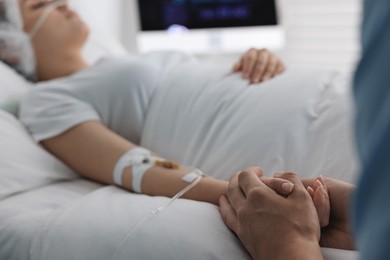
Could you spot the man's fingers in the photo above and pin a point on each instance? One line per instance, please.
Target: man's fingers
(299, 188)
(281, 186)
(228, 213)
(249, 179)
(235, 194)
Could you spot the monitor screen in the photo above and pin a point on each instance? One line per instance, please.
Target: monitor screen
(158, 15)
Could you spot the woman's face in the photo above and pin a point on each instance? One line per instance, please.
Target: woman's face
(62, 30)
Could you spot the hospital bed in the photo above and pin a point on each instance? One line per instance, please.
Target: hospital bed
(203, 116)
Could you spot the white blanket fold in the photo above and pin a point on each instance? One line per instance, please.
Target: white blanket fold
(113, 224)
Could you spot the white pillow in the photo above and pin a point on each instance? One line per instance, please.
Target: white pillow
(212, 119)
(12, 88)
(24, 165)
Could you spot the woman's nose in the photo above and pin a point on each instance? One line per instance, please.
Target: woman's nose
(62, 4)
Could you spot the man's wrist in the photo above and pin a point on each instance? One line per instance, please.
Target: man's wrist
(293, 248)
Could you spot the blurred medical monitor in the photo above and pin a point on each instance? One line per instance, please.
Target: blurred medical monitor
(208, 26)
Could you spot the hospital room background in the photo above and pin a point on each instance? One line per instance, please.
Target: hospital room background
(201, 115)
(320, 34)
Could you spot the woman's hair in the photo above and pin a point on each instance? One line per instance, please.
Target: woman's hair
(15, 48)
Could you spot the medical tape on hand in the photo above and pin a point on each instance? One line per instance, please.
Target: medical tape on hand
(140, 160)
(135, 156)
(192, 176)
(139, 171)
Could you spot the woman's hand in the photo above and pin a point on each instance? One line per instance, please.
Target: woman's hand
(258, 65)
(269, 225)
(337, 234)
(319, 194)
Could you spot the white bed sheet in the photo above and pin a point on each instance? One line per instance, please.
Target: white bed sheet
(77, 219)
(23, 214)
(82, 220)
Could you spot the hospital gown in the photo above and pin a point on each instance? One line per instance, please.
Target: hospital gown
(116, 92)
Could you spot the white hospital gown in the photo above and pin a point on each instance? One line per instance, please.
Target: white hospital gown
(116, 92)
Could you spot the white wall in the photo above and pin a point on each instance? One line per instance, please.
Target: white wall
(130, 24)
(104, 16)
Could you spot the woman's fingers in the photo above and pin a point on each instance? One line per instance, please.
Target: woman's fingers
(280, 68)
(258, 65)
(270, 71)
(249, 62)
(321, 201)
(262, 63)
(238, 66)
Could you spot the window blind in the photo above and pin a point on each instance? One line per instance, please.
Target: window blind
(322, 33)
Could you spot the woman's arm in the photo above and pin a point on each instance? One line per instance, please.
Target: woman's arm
(93, 150)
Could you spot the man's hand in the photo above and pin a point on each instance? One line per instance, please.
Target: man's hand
(259, 65)
(269, 225)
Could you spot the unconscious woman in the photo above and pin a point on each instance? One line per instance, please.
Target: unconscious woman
(91, 117)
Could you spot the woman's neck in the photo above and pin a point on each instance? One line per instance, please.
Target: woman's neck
(59, 65)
